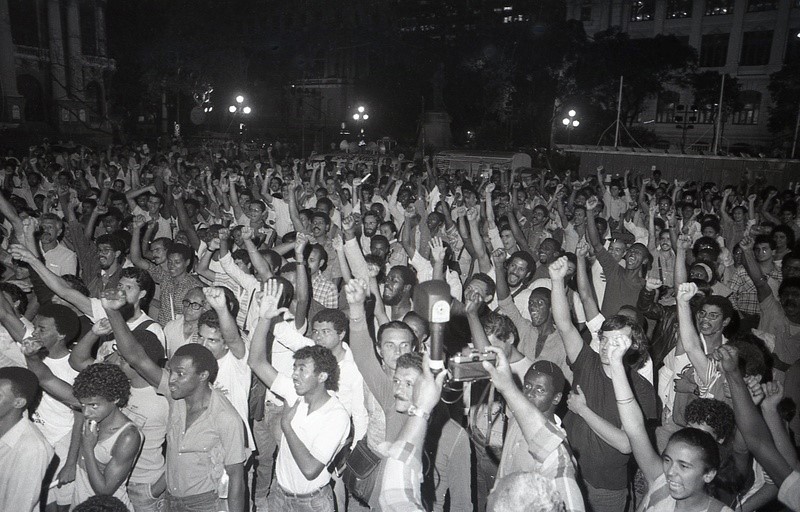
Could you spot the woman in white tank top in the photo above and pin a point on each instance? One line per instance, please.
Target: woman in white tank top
(110, 442)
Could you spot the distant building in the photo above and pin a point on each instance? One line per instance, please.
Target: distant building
(748, 39)
(54, 64)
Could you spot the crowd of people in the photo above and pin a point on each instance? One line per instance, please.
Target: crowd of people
(203, 330)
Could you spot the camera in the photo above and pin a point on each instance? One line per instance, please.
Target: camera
(468, 368)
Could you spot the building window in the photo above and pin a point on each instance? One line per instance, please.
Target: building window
(756, 48)
(714, 50)
(665, 108)
(88, 23)
(719, 7)
(23, 22)
(643, 10)
(586, 11)
(761, 5)
(679, 9)
(751, 104)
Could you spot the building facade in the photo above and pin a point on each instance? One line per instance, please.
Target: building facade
(54, 65)
(748, 39)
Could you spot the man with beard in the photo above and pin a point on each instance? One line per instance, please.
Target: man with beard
(59, 259)
(201, 421)
(397, 291)
(135, 283)
(369, 227)
(100, 261)
(622, 284)
(319, 228)
(779, 317)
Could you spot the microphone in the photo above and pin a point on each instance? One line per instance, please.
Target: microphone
(432, 302)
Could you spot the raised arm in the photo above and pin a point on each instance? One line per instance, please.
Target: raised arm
(748, 420)
(136, 243)
(688, 339)
(484, 263)
(681, 249)
(585, 290)
(754, 270)
(56, 387)
(258, 261)
(54, 282)
(630, 413)
(127, 345)
(227, 323)
(479, 339)
(573, 343)
(81, 354)
(302, 288)
(267, 312)
(184, 223)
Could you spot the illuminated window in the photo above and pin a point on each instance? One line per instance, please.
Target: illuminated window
(751, 104)
(719, 7)
(679, 9)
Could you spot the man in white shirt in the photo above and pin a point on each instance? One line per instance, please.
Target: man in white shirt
(59, 259)
(24, 452)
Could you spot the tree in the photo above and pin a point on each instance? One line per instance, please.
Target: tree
(784, 88)
(705, 87)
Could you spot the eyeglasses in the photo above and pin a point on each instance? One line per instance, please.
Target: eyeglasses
(710, 315)
(187, 304)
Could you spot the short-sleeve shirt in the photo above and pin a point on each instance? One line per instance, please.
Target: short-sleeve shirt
(323, 433)
(602, 465)
(197, 456)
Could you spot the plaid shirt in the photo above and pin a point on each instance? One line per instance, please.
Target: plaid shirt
(744, 295)
(400, 488)
(546, 453)
(324, 291)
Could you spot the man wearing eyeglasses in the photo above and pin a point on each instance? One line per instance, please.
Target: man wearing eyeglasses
(184, 328)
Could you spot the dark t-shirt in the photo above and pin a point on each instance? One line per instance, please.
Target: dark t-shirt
(622, 287)
(601, 465)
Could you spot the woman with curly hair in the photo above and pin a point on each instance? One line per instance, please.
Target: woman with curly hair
(110, 441)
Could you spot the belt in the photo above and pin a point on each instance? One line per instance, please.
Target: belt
(304, 495)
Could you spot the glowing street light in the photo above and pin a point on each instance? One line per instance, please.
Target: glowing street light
(570, 123)
(366, 116)
(247, 110)
(356, 117)
(239, 99)
(361, 110)
(232, 109)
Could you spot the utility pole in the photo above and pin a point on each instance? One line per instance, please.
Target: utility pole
(718, 130)
(619, 109)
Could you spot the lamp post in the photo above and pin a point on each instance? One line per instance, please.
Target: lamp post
(239, 108)
(360, 117)
(570, 123)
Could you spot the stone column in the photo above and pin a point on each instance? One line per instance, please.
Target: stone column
(8, 74)
(58, 70)
(75, 56)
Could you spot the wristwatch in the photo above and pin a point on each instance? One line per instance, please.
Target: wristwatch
(413, 410)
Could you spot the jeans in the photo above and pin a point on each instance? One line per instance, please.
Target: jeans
(453, 467)
(485, 473)
(606, 500)
(142, 498)
(206, 502)
(280, 501)
(266, 444)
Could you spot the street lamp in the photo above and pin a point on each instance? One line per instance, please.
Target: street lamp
(359, 117)
(570, 123)
(239, 108)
